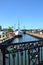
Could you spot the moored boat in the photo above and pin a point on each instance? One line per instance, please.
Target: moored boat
(18, 33)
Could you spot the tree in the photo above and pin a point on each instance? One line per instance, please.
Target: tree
(10, 29)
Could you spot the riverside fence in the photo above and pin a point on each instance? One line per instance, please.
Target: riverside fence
(24, 53)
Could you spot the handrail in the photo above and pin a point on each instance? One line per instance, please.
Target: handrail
(29, 47)
(7, 43)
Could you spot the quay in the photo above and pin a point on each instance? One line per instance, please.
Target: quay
(5, 38)
(35, 35)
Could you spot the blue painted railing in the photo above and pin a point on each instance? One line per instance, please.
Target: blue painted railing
(24, 53)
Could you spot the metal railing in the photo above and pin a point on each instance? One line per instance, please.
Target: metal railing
(24, 53)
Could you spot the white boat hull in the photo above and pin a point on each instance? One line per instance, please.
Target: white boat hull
(18, 33)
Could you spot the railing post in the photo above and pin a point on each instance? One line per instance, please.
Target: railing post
(38, 55)
(28, 57)
(13, 59)
(9, 59)
(25, 57)
(41, 53)
(3, 55)
(21, 58)
(17, 58)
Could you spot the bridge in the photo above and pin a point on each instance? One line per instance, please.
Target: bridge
(32, 50)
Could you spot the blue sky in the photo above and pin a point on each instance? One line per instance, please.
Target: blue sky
(29, 13)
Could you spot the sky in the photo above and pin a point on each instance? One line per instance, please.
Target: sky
(29, 13)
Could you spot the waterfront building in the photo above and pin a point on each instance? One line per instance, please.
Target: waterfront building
(4, 33)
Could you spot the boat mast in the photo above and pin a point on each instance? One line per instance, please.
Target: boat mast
(18, 25)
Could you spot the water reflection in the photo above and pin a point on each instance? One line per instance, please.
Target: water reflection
(25, 38)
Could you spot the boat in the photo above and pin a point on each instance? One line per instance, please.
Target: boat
(18, 33)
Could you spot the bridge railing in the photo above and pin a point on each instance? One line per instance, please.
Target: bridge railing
(24, 53)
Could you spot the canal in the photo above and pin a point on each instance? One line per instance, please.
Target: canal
(24, 38)
(17, 58)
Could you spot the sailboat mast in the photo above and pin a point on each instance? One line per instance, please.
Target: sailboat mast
(18, 25)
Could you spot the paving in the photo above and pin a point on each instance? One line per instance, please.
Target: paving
(36, 34)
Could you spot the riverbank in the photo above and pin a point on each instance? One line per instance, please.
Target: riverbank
(5, 38)
(40, 36)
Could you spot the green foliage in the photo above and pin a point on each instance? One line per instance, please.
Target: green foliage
(10, 29)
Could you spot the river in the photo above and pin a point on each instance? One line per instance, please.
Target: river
(24, 38)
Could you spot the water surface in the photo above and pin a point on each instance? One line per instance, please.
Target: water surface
(24, 38)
